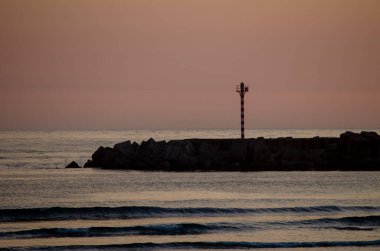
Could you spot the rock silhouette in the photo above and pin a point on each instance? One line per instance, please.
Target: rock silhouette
(73, 164)
(349, 152)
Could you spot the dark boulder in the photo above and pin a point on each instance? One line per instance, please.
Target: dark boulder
(239, 149)
(107, 157)
(125, 148)
(73, 164)
(89, 163)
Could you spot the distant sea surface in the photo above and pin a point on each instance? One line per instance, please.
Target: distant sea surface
(44, 206)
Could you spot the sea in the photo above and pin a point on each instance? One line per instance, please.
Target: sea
(44, 206)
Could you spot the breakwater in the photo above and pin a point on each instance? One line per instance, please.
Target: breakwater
(349, 152)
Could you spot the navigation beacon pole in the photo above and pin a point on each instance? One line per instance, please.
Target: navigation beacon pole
(242, 89)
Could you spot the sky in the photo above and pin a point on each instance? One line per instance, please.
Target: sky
(169, 64)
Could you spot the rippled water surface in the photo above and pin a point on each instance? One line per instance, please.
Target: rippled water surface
(114, 210)
(46, 207)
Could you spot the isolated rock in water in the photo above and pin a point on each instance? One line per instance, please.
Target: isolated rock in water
(73, 164)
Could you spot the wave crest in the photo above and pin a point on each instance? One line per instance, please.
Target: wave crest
(211, 245)
(98, 213)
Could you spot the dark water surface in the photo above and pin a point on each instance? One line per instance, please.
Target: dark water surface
(45, 207)
(88, 209)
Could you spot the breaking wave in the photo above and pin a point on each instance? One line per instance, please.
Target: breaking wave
(159, 229)
(364, 223)
(102, 213)
(371, 220)
(209, 245)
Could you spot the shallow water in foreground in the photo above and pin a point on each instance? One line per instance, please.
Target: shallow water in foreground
(88, 209)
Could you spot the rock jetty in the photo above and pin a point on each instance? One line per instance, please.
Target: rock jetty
(350, 152)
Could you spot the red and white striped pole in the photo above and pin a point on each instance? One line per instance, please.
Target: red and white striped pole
(242, 89)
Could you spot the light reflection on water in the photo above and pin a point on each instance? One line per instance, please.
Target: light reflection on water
(93, 187)
(46, 188)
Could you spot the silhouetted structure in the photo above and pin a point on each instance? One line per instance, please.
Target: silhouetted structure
(242, 89)
(349, 152)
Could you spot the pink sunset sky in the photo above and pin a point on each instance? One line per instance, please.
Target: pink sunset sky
(174, 64)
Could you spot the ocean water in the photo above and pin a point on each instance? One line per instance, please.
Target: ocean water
(89, 209)
(46, 207)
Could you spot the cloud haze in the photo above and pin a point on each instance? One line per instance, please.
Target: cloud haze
(174, 64)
